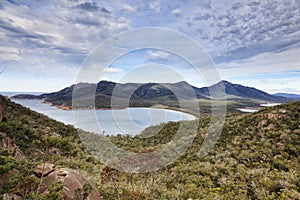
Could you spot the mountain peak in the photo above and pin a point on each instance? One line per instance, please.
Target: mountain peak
(106, 82)
(182, 83)
(224, 82)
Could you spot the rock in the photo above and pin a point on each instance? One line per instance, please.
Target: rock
(11, 197)
(283, 111)
(262, 123)
(44, 169)
(8, 144)
(73, 184)
(272, 116)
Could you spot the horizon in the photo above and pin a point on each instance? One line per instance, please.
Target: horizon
(244, 45)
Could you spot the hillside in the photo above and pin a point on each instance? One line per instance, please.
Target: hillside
(28, 142)
(256, 157)
(151, 94)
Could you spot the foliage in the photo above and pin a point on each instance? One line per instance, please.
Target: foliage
(256, 157)
(7, 163)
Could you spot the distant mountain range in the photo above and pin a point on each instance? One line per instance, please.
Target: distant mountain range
(149, 94)
(287, 95)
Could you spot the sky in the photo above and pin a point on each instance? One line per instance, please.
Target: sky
(45, 44)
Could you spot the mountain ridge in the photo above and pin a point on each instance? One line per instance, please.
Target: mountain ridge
(149, 94)
(288, 95)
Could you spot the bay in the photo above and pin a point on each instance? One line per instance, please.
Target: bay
(130, 121)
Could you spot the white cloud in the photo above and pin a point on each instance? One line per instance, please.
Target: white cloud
(263, 63)
(54, 41)
(120, 24)
(155, 5)
(128, 8)
(113, 70)
(158, 54)
(233, 30)
(176, 12)
(55, 29)
(10, 53)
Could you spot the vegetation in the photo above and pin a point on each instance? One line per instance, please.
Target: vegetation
(256, 157)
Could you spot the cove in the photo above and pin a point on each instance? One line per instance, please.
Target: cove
(129, 121)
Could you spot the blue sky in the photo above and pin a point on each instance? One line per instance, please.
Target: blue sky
(254, 43)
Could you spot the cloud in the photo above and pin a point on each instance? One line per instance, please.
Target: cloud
(56, 27)
(119, 24)
(155, 5)
(113, 70)
(177, 12)
(10, 53)
(233, 30)
(158, 54)
(271, 72)
(64, 33)
(51, 39)
(128, 8)
(88, 6)
(263, 63)
(228, 30)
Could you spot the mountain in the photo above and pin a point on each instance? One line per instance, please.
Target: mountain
(288, 95)
(149, 94)
(243, 91)
(256, 157)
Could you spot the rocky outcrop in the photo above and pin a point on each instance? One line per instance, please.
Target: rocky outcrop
(43, 169)
(75, 185)
(8, 144)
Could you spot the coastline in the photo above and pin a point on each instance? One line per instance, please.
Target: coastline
(186, 113)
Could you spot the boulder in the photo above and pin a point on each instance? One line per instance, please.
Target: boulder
(7, 196)
(75, 185)
(8, 144)
(44, 169)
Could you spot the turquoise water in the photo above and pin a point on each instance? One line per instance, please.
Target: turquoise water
(129, 121)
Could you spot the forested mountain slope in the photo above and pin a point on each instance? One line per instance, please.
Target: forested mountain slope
(256, 157)
(150, 94)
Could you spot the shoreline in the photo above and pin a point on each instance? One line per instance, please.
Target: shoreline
(187, 113)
